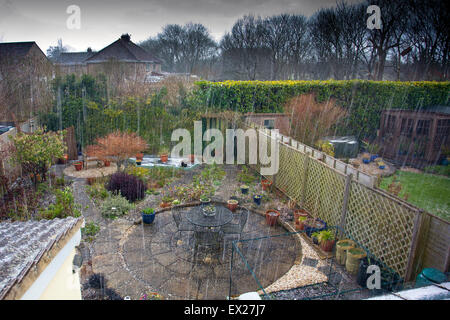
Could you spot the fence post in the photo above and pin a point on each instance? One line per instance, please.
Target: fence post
(305, 179)
(410, 267)
(348, 180)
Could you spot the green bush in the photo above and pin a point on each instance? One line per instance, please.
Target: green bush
(121, 205)
(364, 99)
(63, 207)
(441, 170)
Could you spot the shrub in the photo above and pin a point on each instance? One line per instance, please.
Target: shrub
(97, 191)
(441, 170)
(130, 187)
(64, 207)
(121, 205)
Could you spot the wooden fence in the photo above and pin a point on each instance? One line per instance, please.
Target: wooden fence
(402, 236)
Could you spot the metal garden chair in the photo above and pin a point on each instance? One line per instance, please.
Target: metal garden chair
(182, 225)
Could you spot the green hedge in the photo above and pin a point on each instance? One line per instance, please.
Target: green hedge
(364, 99)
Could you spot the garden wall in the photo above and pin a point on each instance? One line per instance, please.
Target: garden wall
(364, 99)
(389, 228)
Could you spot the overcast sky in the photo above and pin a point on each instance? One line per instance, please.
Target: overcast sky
(103, 21)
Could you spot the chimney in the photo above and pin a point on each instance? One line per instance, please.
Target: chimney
(126, 37)
(89, 49)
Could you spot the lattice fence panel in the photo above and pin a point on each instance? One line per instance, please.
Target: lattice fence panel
(289, 178)
(324, 192)
(382, 224)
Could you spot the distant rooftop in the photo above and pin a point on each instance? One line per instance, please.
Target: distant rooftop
(16, 50)
(73, 58)
(125, 50)
(24, 243)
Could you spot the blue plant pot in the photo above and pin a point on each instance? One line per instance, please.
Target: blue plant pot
(366, 161)
(444, 162)
(148, 218)
(244, 190)
(310, 230)
(373, 157)
(257, 199)
(381, 167)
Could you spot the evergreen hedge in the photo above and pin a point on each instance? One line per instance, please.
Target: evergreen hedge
(362, 98)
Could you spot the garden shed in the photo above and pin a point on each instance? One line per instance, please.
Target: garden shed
(416, 137)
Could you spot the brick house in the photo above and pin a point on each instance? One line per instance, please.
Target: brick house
(122, 57)
(24, 75)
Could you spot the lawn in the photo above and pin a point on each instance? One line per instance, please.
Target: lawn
(426, 191)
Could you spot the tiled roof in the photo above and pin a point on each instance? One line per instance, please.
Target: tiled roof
(22, 245)
(71, 58)
(123, 50)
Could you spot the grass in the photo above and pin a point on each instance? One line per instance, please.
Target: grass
(426, 191)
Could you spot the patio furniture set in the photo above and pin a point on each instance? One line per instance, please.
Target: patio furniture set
(210, 230)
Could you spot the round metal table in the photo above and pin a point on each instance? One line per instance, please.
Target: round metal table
(223, 216)
(208, 227)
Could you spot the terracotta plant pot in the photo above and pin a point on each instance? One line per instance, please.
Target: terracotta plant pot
(139, 156)
(266, 184)
(232, 205)
(78, 166)
(164, 158)
(165, 204)
(272, 217)
(300, 213)
(299, 226)
(107, 163)
(327, 246)
(192, 158)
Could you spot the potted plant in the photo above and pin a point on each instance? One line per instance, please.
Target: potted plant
(341, 250)
(366, 158)
(106, 163)
(140, 156)
(315, 237)
(354, 255)
(204, 199)
(232, 204)
(148, 215)
(300, 223)
(176, 202)
(257, 199)
(326, 240)
(244, 189)
(265, 184)
(209, 211)
(78, 165)
(313, 225)
(272, 217)
(381, 165)
(138, 162)
(300, 213)
(164, 154)
(166, 202)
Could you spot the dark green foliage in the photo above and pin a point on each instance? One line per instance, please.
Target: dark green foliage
(363, 99)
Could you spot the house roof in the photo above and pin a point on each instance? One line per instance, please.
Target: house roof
(23, 244)
(73, 58)
(17, 50)
(123, 50)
